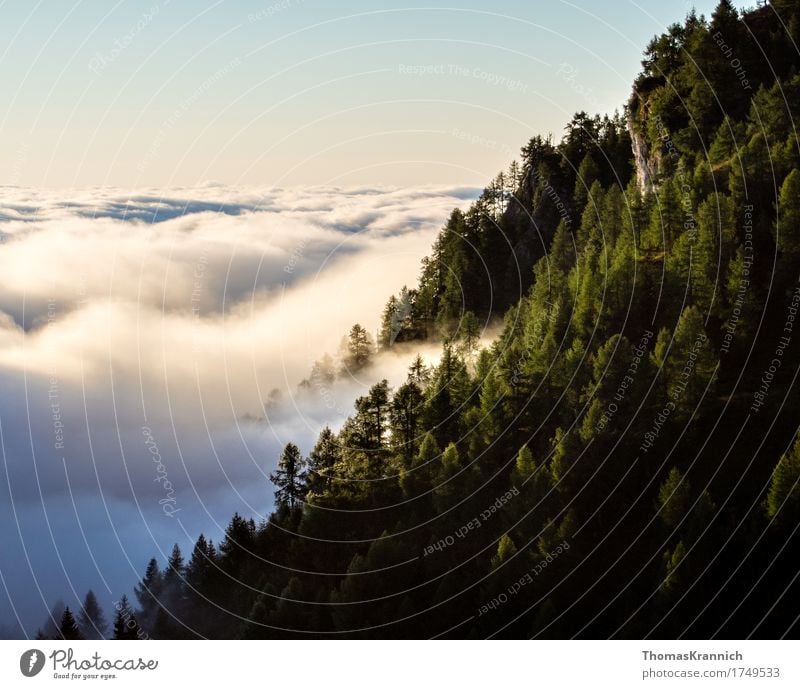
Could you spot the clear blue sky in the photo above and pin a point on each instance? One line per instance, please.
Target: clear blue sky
(179, 92)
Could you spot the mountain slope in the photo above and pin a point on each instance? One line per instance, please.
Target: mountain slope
(621, 460)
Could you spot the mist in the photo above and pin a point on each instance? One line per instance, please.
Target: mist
(141, 335)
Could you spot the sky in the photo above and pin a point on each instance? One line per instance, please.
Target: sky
(198, 199)
(287, 92)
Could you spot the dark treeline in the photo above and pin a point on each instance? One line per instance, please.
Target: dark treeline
(621, 460)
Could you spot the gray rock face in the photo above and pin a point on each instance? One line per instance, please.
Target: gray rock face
(644, 166)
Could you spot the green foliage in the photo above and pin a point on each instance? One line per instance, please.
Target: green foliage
(445, 489)
(505, 550)
(787, 228)
(356, 350)
(322, 461)
(289, 477)
(418, 478)
(626, 316)
(690, 366)
(125, 624)
(673, 499)
(783, 499)
(68, 629)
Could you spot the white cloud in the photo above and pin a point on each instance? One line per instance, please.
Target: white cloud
(181, 312)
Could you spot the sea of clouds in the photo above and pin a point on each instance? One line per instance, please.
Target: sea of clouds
(142, 334)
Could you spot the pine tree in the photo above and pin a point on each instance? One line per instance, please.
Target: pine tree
(691, 364)
(588, 174)
(390, 323)
(445, 395)
(170, 616)
(470, 333)
(525, 466)
(365, 431)
(323, 372)
(783, 499)
(148, 592)
(513, 177)
(173, 576)
(200, 569)
(741, 306)
(238, 544)
(533, 483)
(419, 477)
(404, 415)
(676, 577)
(667, 216)
(374, 410)
(357, 350)
(673, 499)
(322, 460)
(418, 372)
(91, 619)
(51, 625)
(68, 629)
(289, 477)
(126, 627)
(787, 227)
(505, 550)
(446, 487)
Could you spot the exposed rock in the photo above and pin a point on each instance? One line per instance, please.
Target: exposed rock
(644, 169)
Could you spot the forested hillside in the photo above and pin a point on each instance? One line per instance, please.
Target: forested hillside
(622, 460)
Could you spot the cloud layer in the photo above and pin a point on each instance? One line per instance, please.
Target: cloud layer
(140, 335)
